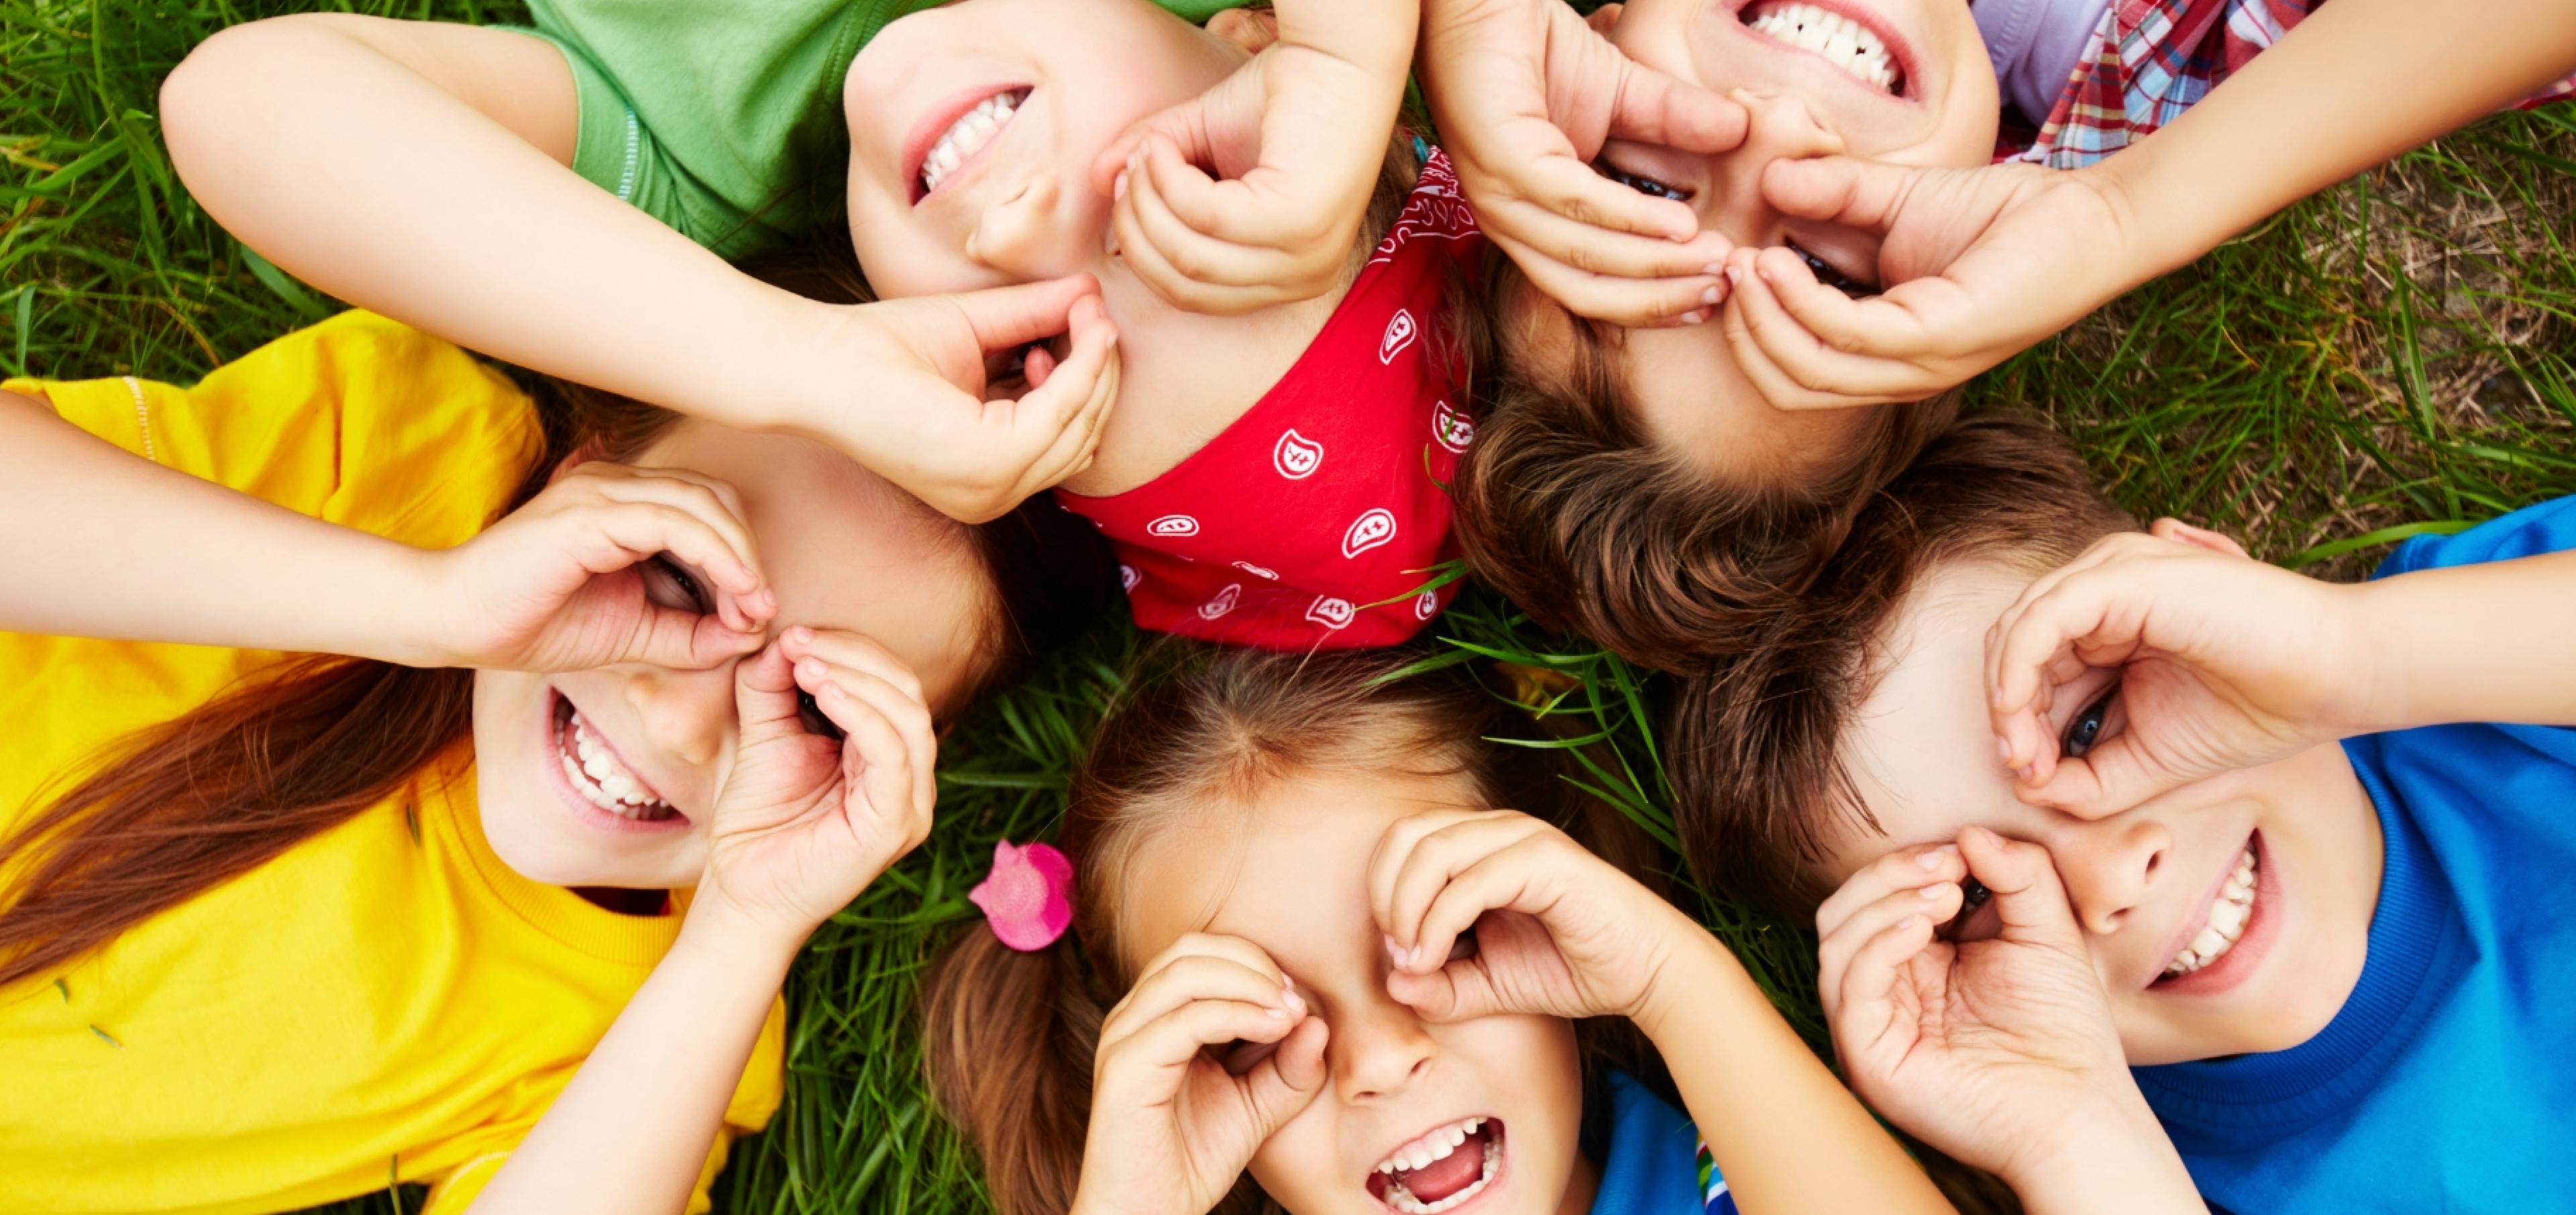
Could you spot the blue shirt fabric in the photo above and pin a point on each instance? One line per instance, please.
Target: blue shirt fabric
(1654, 1161)
(2448, 1080)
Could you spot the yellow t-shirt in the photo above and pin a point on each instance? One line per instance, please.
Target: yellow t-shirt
(373, 1006)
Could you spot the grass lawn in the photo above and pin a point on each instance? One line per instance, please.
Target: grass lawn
(2391, 358)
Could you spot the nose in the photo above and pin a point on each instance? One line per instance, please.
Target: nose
(1781, 128)
(1025, 237)
(1377, 1047)
(686, 715)
(2109, 866)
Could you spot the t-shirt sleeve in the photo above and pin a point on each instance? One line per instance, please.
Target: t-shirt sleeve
(2549, 527)
(358, 420)
(754, 1101)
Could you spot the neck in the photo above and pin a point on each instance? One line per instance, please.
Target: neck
(1581, 1187)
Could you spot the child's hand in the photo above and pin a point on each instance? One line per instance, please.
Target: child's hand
(806, 820)
(1978, 264)
(558, 585)
(2000, 1052)
(1492, 911)
(2220, 662)
(1295, 139)
(1172, 1126)
(1524, 94)
(900, 386)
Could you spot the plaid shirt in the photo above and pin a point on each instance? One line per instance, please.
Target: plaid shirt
(2149, 61)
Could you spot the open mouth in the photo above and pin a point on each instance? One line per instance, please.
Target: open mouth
(592, 767)
(2229, 914)
(1444, 1169)
(954, 145)
(1849, 39)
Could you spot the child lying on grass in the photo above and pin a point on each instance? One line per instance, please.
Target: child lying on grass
(2265, 838)
(1665, 487)
(1268, 439)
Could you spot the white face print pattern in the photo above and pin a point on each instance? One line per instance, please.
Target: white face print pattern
(1257, 571)
(1426, 604)
(1173, 525)
(1128, 578)
(1296, 456)
(1332, 613)
(1368, 531)
(1452, 429)
(1223, 603)
(1399, 334)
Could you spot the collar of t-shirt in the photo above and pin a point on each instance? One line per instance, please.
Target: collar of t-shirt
(2034, 45)
(1654, 1161)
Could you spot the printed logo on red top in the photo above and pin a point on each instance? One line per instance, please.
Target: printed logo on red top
(1173, 525)
(1426, 604)
(1453, 429)
(1330, 612)
(1296, 456)
(1128, 578)
(1369, 531)
(1257, 571)
(1399, 334)
(1223, 603)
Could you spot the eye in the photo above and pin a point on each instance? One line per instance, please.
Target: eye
(2091, 726)
(1827, 274)
(1641, 183)
(810, 715)
(1976, 920)
(666, 584)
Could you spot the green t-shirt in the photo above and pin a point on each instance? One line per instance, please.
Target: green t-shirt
(724, 120)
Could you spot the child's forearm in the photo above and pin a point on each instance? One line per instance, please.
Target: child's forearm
(1787, 1135)
(101, 543)
(2486, 642)
(2119, 1163)
(2353, 85)
(346, 150)
(1377, 34)
(675, 1056)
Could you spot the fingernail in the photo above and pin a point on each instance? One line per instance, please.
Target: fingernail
(1910, 921)
(1710, 297)
(1694, 316)
(810, 669)
(1393, 954)
(800, 634)
(1929, 861)
(1118, 187)
(1294, 1002)
(2026, 772)
(1713, 268)
(1934, 891)
(2003, 748)
(1735, 274)
(1275, 1014)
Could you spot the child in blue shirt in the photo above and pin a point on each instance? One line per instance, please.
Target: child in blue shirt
(2078, 796)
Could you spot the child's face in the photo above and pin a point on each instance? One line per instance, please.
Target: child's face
(842, 549)
(2144, 883)
(973, 127)
(1292, 881)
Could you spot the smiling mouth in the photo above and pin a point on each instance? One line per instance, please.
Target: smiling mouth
(1444, 1169)
(595, 772)
(2228, 916)
(965, 137)
(1857, 49)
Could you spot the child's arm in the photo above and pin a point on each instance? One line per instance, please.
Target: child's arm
(2227, 662)
(106, 544)
(418, 169)
(803, 825)
(1251, 195)
(1999, 1052)
(1786, 1135)
(2020, 253)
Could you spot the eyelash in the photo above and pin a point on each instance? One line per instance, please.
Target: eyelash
(695, 597)
(2085, 732)
(1826, 273)
(1642, 184)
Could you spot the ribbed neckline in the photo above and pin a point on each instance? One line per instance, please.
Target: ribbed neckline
(2417, 949)
(445, 792)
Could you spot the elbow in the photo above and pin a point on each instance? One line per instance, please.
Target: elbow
(214, 96)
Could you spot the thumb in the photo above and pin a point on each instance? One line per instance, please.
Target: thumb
(1459, 991)
(1288, 1081)
(2028, 896)
(1002, 318)
(764, 695)
(1840, 189)
(684, 641)
(1185, 125)
(2116, 775)
(1656, 108)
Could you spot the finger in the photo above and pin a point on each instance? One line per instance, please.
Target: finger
(1386, 863)
(1196, 977)
(1181, 209)
(643, 526)
(1659, 109)
(1288, 1081)
(1937, 902)
(1631, 302)
(1064, 418)
(1217, 945)
(1574, 190)
(1149, 262)
(1503, 879)
(1839, 378)
(683, 641)
(1594, 250)
(883, 801)
(708, 501)
(2028, 897)
(1075, 448)
(1903, 869)
(2115, 776)
(1846, 190)
(1433, 859)
(1150, 1063)
(833, 684)
(1869, 1022)
(855, 650)
(1007, 318)
(2037, 653)
(1457, 991)
(764, 696)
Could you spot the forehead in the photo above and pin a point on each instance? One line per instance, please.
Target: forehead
(846, 550)
(1288, 872)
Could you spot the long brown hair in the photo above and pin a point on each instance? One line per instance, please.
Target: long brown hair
(293, 751)
(1567, 506)
(1009, 1035)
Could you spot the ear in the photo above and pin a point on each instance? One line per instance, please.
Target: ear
(1251, 30)
(2198, 537)
(1605, 18)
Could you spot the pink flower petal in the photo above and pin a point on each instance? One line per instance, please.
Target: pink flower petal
(1028, 896)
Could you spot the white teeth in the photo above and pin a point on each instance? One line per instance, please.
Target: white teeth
(1399, 1199)
(1848, 44)
(967, 136)
(2228, 916)
(594, 772)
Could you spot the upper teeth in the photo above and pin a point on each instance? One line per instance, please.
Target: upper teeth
(967, 136)
(2227, 919)
(597, 775)
(1845, 42)
(1435, 1144)
(1400, 1199)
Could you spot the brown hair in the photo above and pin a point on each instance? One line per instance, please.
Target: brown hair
(1009, 1036)
(1753, 744)
(1567, 506)
(296, 750)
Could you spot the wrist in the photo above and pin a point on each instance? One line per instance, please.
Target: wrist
(2387, 690)
(722, 936)
(418, 627)
(2116, 1158)
(782, 363)
(1690, 962)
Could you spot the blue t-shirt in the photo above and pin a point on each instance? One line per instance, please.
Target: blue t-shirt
(1656, 1165)
(2448, 1080)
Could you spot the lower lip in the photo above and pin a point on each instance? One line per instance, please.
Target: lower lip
(550, 758)
(2240, 959)
(1493, 1185)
